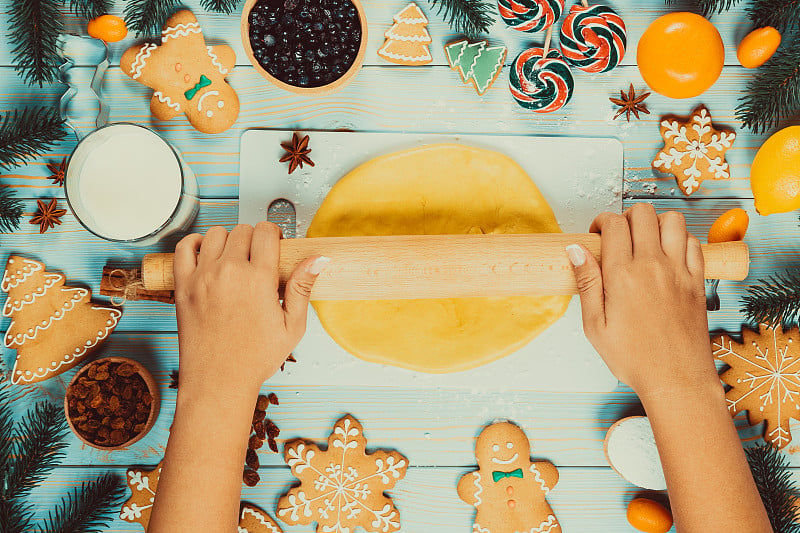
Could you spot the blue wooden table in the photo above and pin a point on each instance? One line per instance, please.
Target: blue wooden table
(435, 429)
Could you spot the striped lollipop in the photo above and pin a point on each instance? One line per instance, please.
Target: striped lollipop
(593, 38)
(541, 82)
(530, 15)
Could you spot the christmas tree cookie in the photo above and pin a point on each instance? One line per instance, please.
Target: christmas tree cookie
(407, 40)
(476, 62)
(53, 327)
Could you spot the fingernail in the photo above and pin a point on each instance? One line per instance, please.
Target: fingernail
(318, 265)
(576, 255)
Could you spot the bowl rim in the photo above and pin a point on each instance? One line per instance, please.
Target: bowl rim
(306, 91)
(152, 386)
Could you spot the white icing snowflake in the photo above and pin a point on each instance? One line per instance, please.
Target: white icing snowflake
(765, 378)
(695, 145)
(342, 487)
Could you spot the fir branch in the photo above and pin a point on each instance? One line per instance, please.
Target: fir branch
(87, 509)
(35, 28)
(470, 17)
(220, 6)
(27, 133)
(776, 300)
(147, 17)
(774, 482)
(39, 440)
(15, 516)
(780, 14)
(709, 7)
(90, 9)
(10, 213)
(774, 92)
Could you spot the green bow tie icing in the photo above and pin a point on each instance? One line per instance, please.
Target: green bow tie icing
(202, 84)
(497, 475)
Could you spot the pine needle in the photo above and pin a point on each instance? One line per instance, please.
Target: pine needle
(147, 17)
(776, 300)
(780, 14)
(774, 92)
(36, 25)
(220, 6)
(87, 509)
(709, 7)
(27, 133)
(90, 9)
(10, 213)
(16, 516)
(470, 17)
(39, 441)
(774, 482)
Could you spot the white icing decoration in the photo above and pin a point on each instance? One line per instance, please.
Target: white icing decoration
(20, 338)
(261, 520)
(140, 61)
(509, 445)
(206, 94)
(20, 275)
(537, 476)
(549, 524)
(215, 60)
(476, 480)
(140, 483)
(164, 99)
(181, 30)
(506, 461)
(16, 305)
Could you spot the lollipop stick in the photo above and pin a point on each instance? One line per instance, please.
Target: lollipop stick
(585, 3)
(547, 37)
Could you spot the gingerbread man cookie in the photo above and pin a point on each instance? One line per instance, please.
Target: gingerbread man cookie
(188, 76)
(508, 489)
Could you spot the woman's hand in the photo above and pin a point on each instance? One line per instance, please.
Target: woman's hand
(644, 311)
(233, 331)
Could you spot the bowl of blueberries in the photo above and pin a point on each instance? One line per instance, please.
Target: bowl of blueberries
(305, 46)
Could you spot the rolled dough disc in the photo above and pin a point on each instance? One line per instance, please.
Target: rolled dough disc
(436, 190)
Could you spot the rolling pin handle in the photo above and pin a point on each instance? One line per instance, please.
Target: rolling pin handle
(157, 272)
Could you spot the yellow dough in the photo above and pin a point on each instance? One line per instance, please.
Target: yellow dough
(433, 190)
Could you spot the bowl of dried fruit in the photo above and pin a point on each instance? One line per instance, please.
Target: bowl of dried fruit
(309, 47)
(112, 403)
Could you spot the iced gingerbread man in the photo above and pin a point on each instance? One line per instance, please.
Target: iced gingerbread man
(508, 489)
(188, 76)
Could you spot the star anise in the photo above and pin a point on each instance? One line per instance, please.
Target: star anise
(48, 216)
(57, 172)
(631, 103)
(297, 152)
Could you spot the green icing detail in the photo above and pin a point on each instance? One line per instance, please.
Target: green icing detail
(468, 58)
(486, 66)
(453, 51)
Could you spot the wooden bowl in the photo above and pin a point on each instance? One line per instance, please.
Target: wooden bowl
(152, 387)
(306, 91)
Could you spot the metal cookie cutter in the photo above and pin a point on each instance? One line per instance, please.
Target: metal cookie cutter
(712, 298)
(82, 106)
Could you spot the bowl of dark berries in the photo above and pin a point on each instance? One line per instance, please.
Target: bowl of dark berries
(309, 47)
(111, 403)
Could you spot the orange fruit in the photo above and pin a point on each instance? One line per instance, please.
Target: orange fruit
(649, 516)
(680, 55)
(758, 46)
(775, 173)
(108, 28)
(730, 226)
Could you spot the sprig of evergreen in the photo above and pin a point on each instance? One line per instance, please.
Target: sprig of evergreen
(776, 300)
(87, 509)
(471, 17)
(27, 133)
(10, 213)
(35, 28)
(220, 6)
(782, 15)
(147, 17)
(775, 485)
(709, 7)
(774, 91)
(90, 9)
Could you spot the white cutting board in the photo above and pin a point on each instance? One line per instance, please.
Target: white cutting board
(579, 177)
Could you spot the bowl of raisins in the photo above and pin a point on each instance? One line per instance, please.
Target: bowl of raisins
(309, 47)
(112, 403)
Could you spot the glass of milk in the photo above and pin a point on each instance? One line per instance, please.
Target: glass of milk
(125, 183)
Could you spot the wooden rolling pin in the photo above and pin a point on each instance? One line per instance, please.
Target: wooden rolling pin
(446, 266)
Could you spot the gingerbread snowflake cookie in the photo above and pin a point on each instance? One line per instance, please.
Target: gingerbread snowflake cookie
(508, 490)
(343, 486)
(764, 376)
(694, 150)
(187, 75)
(143, 485)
